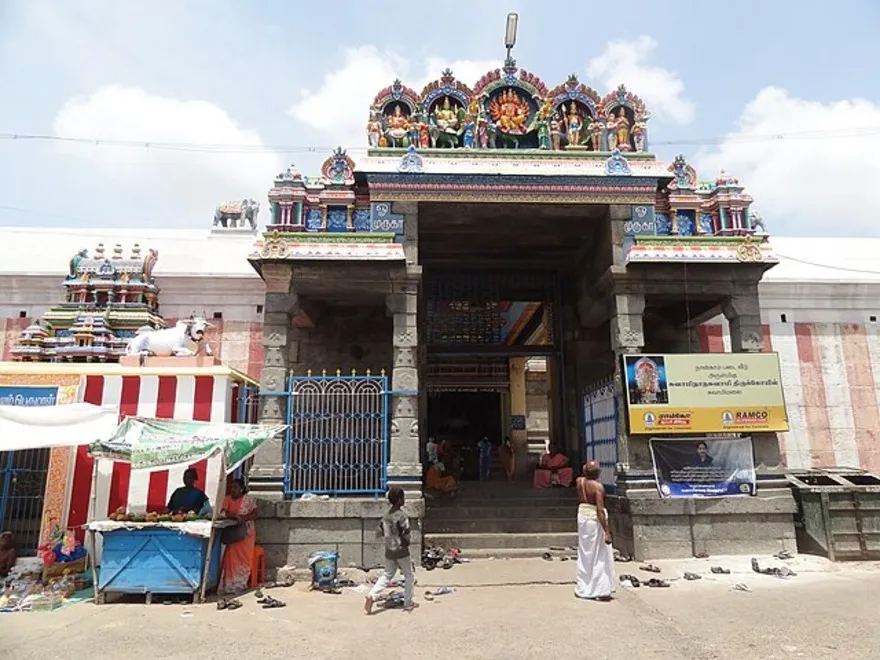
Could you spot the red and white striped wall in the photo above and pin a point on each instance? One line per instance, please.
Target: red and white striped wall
(210, 397)
(831, 381)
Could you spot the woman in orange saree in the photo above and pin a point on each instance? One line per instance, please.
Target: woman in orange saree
(235, 569)
(508, 458)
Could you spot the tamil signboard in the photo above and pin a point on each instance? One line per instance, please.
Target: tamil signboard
(701, 467)
(28, 396)
(704, 393)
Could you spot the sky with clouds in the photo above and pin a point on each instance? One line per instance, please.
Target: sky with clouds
(780, 94)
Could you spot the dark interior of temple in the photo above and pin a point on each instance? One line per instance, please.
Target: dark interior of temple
(462, 419)
(508, 235)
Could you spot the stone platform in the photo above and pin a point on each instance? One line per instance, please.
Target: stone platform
(648, 527)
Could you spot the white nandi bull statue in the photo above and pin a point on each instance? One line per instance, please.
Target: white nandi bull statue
(172, 341)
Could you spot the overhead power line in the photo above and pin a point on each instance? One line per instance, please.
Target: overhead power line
(204, 147)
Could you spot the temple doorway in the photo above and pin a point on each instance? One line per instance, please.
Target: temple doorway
(461, 420)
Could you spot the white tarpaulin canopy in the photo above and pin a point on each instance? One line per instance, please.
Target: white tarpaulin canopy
(35, 427)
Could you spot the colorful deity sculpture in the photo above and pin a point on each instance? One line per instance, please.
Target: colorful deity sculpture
(510, 112)
(397, 128)
(573, 125)
(622, 129)
(447, 117)
(596, 129)
(639, 134)
(374, 129)
(611, 132)
(469, 128)
(555, 133)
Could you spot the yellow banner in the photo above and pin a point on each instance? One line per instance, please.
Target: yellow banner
(704, 393)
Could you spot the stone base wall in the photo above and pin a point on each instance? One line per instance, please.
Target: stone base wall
(291, 531)
(652, 528)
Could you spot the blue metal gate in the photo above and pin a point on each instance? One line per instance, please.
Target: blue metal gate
(600, 430)
(23, 476)
(337, 438)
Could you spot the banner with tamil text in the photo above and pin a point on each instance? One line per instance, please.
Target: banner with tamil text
(704, 393)
(703, 467)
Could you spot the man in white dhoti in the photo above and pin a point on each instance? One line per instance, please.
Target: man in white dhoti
(595, 566)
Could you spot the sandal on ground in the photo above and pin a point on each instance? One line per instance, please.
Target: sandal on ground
(547, 556)
(657, 582)
(650, 568)
(258, 593)
(741, 586)
(273, 603)
(632, 579)
(222, 604)
(410, 608)
(701, 555)
(720, 570)
(783, 554)
(692, 576)
(233, 604)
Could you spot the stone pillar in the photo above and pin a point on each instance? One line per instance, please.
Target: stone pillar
(627, 336)
(743, 313)
(519, 436)
(404, 463)
(267, 472)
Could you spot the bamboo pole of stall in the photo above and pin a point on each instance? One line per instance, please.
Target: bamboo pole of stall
(221, 486)
(90, 516)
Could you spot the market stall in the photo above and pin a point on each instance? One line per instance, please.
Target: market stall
(59, 573)
(167, 552)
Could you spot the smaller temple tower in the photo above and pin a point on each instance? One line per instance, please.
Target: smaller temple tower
(108, 300)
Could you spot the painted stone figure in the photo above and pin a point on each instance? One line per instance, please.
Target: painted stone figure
(447, 117)
(397, 128)
(573, 125)
(555, 133)
(639, 131)
(424, 136)
(611, 132)
(623, 131)
(374, 129)
(468, 138)
(596, 129)
(543, 133)
(510, 112)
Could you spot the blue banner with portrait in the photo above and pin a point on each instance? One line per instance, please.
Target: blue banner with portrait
(703, 467)
(28, 396)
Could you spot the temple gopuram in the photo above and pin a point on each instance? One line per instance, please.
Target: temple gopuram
(108, 299)
(494, 226)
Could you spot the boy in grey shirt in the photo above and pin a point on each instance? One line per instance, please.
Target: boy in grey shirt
(395, 528)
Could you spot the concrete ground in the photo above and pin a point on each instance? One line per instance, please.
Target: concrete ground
(506, 609)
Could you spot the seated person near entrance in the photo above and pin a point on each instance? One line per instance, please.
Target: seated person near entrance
(188, 498)
(438, 482)
(553, 470)
(7, 553)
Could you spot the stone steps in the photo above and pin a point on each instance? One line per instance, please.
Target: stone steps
(501, 543)
(503, 519)
(478, 511)
(509, 525)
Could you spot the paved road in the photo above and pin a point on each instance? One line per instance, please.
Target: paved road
(502, 609)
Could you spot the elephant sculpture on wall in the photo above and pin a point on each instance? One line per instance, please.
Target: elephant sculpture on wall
(237, 215)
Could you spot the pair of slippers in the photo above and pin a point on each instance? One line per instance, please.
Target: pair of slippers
(270, 603)
(230, 604)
